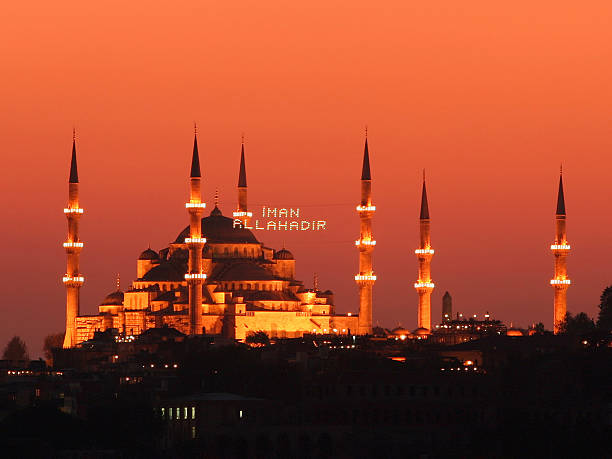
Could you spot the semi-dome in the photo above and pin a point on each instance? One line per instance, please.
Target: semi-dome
(165, 272)
(284, 254)
(218, 229)
(244, 271)
(149, 255)
(113, 299)
(514, 332)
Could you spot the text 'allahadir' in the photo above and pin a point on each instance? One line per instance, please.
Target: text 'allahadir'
(281, 219)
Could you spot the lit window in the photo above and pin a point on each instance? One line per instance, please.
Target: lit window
(185, 416)
(163, 413)
(170, 412)
(193, 412)
(178, 412)
(240, 414)
(193, 432)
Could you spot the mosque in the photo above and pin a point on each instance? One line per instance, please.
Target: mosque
(215, 278)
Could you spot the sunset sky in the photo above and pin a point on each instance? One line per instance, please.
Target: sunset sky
(488, 98)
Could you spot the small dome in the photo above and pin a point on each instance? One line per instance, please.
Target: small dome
(149, 255)
(113, 299)
(422, 331)
(216, 212)
(399, 331)
(284, 254)
(514, 332)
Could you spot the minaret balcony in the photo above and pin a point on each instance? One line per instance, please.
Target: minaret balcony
(195, 240)
(73, 210)
(369, 242)
(73, 280)
(564, 247)
(194, 276)
(424, 285)
(366, 208)
(73, 245)
(560, 282)
(424, 251)
(195, 205)
(239, 214)
(365, 277)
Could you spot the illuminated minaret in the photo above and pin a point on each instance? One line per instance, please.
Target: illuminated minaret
(560, 249)
(242, 213)
(73, 280)
(195, 277)
(366, 278)
(424, 285)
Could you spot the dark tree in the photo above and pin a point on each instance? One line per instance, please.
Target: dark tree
(51, 342)
(577, 325)
(260, 338)
(16, 350)
(604, 320)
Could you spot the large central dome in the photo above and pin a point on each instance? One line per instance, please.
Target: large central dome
(218, 229)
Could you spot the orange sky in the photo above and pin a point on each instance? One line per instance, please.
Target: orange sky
(488, 98)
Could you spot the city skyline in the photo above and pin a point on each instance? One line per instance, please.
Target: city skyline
(491, 138)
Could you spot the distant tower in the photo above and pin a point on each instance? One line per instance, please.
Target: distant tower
(195, 277)
(242, 213)
(424, 285)
(560, 249)
(366, 278)
(447, 307)
(73, 280)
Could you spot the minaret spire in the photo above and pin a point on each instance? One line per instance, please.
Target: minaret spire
(560, 195)
(242, 217)
(366, 278)
(365, 169)
(73, 279)
(195, 242)
(424, 284)
(424, 205)
(560, 249)
(74, 174)
(242, 181)
(195, 157)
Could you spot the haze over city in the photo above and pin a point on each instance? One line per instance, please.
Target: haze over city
(490, 108)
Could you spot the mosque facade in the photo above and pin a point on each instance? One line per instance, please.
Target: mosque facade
(215, 278)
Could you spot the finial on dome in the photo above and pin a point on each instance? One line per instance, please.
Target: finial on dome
(216, 197)
(118, 282)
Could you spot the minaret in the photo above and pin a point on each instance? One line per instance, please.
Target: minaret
(73, 280)
(195, 277)
(366, 278)
(447, 307)
(424, 285)
(560, 249)
(242, 213)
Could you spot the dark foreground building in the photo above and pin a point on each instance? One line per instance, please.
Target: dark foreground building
(166, 395)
